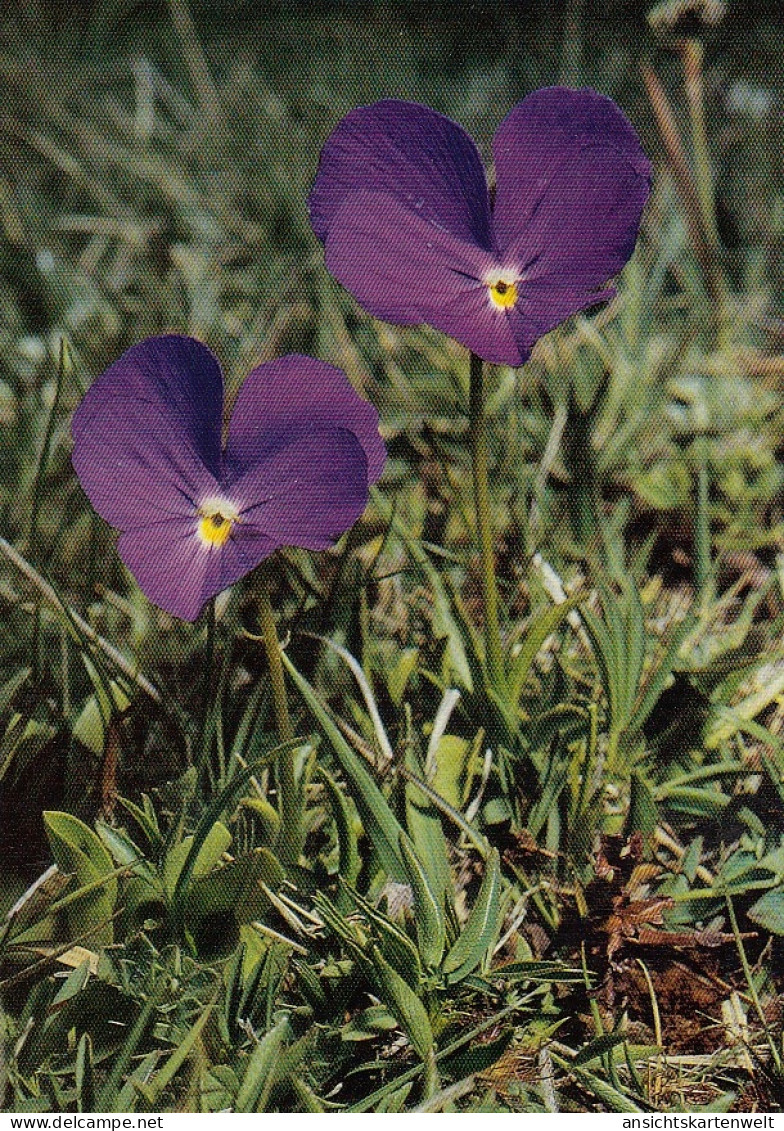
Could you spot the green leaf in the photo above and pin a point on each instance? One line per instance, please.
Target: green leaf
(643, 815)
(444, 623)
(379, 821)
(452, 768)
(124, 852)
(407, 1007)
(537, 631)
(348, 852)
(210, 817)
(768, 911)
(236, 887)
(90, 726)
(481, 928)
(398, 948)
(78, 851)
(429, 917)
(426, 831)
(171, 1067)
(598, 1047)
(10, 687)
(259, 1075)
(707, 803)
(400, 673)
(209, 854)
(85, 1074)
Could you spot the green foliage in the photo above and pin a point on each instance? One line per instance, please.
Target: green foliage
(488, 875)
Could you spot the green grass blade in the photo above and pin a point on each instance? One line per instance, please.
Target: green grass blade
(380, 823)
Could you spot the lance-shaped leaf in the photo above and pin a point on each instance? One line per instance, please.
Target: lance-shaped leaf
(78, 850)
(404, 1004)
(379, 821)
(481, 928)
(430, 925)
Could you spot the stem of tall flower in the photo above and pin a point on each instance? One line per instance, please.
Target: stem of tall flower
(202, 748)
(484, 526)
(702, 536)
(290, 803)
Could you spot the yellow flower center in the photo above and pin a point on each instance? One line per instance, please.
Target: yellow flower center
(217, 518)
(503, 293)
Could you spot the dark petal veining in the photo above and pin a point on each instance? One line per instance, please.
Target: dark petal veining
(402, 270)
(306, 493)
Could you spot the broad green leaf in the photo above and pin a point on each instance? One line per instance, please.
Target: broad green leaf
(210, 817)
(481, 928)
(537, 631)
(90, 725)
(124, 851)
(400, 673)
(642, 816)
(768, 911)
(426, 832)
(208, 856)
(236, 887)
(728, 721)
(598, 1047)
(266, 816)
(451, 773)
(78, 850)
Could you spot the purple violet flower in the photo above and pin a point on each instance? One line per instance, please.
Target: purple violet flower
(195, 517)
(402, 206)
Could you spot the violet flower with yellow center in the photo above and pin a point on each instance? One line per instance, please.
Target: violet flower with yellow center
(402, 205)
(195, 517)
(412, 230)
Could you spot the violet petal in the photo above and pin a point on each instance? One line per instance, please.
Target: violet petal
(306, 493)
(572, 180)
(137, 463)
(424, 160)
(294, 394)
(403, 270)
(540, 309)
(178, 573)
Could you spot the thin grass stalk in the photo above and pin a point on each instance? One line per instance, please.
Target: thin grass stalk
(774, 1052)
(687, 190)
(484, 526)
(691, 53)
(195, 59)
(290, 802)
(43, 460)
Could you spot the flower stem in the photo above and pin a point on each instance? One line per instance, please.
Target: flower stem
(290, 806)
(202, 748)
(702, 535)
(484, 527)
